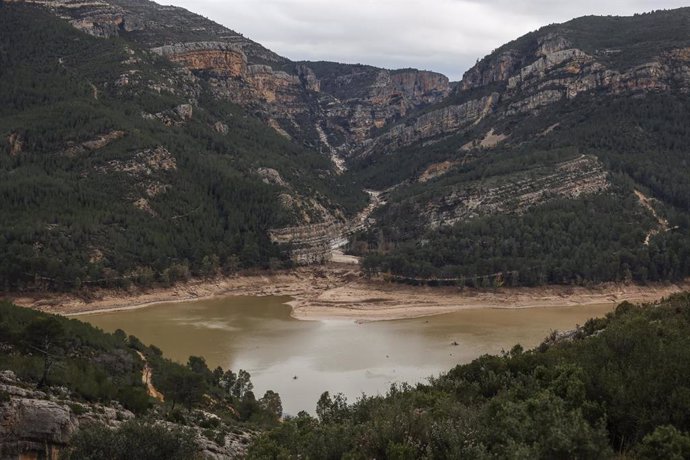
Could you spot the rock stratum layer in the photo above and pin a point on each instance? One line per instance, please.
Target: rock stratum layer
(518, 192)
(521, 79)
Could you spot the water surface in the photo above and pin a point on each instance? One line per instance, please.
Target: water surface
(259, 335)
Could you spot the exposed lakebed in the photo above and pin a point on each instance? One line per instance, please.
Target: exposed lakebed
(259, 335)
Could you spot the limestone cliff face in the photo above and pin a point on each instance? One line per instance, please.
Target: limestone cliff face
(222, 59)
(386, 98)
(557, 69)
(438, 122)
(92, 16)
(337, 113)
(517, 193)
(534, 72)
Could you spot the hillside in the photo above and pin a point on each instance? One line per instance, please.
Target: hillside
(328, 106)
(617, 386)
(118, 166)
(140, 117)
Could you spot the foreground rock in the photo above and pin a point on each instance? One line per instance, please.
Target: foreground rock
(40, 424)
(37, 424)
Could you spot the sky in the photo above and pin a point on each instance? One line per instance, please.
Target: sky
(446, 36)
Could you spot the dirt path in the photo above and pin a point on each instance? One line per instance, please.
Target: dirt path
(94, 91)
(147, 379)
(663, 227)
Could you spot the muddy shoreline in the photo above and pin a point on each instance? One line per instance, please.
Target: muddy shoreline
(340, 292)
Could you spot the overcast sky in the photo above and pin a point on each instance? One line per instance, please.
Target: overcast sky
(447, 36)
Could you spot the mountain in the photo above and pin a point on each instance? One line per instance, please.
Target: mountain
(329, 106)
(559, 158)
(143, 144)
(114, 143)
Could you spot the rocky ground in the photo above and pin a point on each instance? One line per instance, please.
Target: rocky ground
(40, 423)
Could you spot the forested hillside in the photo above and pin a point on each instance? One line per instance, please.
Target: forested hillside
(118, 166)
(554, 225)
(616, 388)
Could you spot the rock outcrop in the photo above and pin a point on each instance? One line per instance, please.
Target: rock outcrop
(336, 112)
(310, 244)
(433, 124)
(316, 243)
(15, 143)
(518, 192)
(145, 163)
(174, 117)
(92, 16)
(537, 71)
(557, 70)
(97, 143)
(38, 424)
(219, 58)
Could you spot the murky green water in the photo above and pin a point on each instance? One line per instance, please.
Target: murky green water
(258, 334)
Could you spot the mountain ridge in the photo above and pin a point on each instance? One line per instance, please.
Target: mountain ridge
(438, 150)
(285, 92)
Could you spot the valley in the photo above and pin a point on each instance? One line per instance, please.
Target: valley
(261, 162)
(495, 267)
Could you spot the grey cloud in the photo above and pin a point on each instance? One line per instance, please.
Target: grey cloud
(442, 35)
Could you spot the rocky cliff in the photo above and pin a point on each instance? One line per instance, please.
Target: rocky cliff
(558, 70)
(39, 424)
(557, 63)
(333, 112)
(517, 192)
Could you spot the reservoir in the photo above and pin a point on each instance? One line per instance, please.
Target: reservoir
(302, 359)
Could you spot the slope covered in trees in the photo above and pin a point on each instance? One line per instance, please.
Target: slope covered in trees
(468, 200)
(599, 236)
(108, 175)
(118, 166)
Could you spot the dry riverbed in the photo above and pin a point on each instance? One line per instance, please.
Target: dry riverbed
(338, 291)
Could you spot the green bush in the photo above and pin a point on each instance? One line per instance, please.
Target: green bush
(133, 439)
